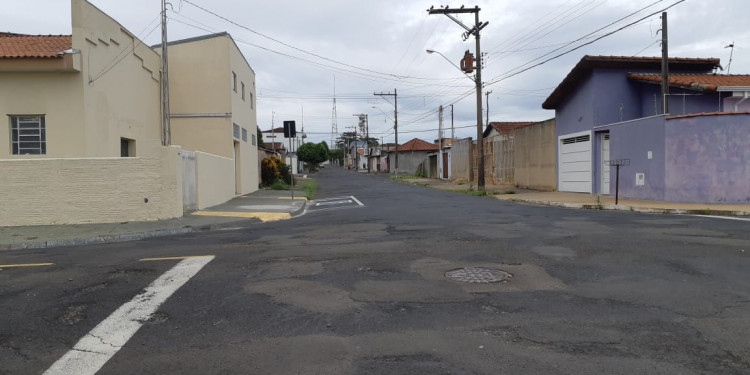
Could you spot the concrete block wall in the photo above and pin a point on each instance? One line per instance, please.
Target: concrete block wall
(43, 191)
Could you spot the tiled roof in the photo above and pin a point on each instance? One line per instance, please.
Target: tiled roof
(504, 127)
(703, 82)
(587, 63)
(33, 46)
(417, 144)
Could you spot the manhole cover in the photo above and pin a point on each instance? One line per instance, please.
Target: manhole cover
(477, 275)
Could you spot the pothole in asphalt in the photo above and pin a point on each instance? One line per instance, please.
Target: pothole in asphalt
(478, 275)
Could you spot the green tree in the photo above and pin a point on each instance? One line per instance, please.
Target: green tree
(312, 154)
(337, 155)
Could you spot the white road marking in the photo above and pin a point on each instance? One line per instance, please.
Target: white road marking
(101, 343)
(357, 200)
(725, 217)
(327, 203)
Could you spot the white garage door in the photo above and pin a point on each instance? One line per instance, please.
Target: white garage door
(575, 163)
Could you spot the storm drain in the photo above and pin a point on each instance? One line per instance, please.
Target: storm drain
(478, 275)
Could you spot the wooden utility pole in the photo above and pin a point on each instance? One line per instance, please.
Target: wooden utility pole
(166, 134)
(395, 120)
(664, 65)
(478, 26)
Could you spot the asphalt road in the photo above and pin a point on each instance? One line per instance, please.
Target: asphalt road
(358, 286)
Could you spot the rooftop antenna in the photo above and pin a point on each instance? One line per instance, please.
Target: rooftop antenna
(731, 52)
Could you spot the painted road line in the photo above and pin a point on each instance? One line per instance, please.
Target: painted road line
(357, 200)
(25, 265)
(295, 198)
(175, 258)
(101, 343)
(263, 216)
(725, 217)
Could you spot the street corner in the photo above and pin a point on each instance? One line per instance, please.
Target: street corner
(262, 216)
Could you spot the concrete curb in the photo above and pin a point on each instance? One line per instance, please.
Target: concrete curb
(648, 210)
(124, 237)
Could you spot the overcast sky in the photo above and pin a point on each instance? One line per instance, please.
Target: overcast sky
(298, 49)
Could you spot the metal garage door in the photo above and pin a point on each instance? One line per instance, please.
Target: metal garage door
(575, 163)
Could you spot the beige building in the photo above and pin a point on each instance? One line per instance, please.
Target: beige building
(84, 136)
(212, 100)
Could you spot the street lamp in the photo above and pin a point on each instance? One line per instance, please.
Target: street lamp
(431, 51)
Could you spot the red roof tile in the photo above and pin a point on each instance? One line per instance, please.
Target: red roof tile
(587, 63)
(417, 144)
(703, 82)
(16, 46)
(505, 127)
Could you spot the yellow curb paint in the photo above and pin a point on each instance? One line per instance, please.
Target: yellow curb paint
(295, 198)
(263, 216)
(25, 265)
(174, 258)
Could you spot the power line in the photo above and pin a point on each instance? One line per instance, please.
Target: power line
(510, 73)
(399, 77)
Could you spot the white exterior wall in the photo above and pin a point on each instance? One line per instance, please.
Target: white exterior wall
(212, 185)
(205, 107)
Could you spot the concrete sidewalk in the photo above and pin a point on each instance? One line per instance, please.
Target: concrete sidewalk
(590, 201)
(259, 206)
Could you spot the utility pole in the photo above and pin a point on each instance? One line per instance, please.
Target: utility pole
(487, 100)
(453, 135)
(478, 26)
(365, 125)
(395, 120)
(166, 134)
(440, 142)
(273, 132)
(664, 65)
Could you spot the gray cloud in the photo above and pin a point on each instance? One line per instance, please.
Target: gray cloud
(391, 36)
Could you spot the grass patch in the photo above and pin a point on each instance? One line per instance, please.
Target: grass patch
(278, 185)
(309, 187)
(476, 193)
(402, 177)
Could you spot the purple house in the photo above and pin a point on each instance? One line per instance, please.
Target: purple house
(609, 108)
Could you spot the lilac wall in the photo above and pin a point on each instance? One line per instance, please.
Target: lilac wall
(633, 140)
(708, 159)
(678, 104)
(576, 112)
(612, 91)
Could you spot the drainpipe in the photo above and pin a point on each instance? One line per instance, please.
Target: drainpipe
(744, 97)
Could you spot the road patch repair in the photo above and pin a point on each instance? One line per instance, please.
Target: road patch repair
(100, 344)
(334, 203)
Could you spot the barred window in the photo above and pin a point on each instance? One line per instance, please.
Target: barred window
(244, 134)
(236, 131)
(28, 135)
